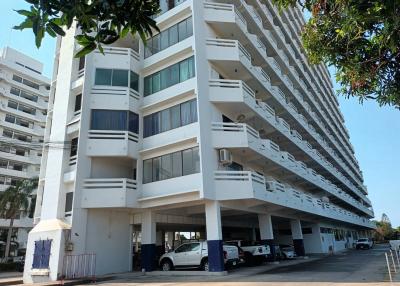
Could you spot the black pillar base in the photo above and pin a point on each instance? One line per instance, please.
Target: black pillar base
(148, 257)
(299, 247)
(270, 243)
(215, 256)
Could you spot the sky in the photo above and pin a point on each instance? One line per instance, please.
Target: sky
(374, 131)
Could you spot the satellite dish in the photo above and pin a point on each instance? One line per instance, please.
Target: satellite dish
(240, 118)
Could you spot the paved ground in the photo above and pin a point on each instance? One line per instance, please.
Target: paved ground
(349, 268)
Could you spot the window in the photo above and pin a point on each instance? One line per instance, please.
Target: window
(172, 165)
(115, 120)
(78, 102)
(10, 118)
(41, 254)
(24, 94)
(25, 81)
(169, 76)
(81, 64)
(117, 77)
(170, 118)
(74, 147)
(169, 37)
(68, 203)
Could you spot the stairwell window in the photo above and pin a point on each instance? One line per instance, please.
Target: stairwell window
(172, 165)
(118, 120)
(117, 77)
(169, 76)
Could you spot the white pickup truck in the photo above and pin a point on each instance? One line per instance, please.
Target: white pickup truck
(195, 255)
(254, 253)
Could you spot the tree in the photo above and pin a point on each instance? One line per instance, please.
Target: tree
(101, 22)
(361, 38)
(14, 201)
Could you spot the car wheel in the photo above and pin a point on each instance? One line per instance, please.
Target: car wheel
(205, 265)
(166, 265)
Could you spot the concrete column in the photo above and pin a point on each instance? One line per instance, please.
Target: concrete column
(170, 239)
(297, 236)
(148, 248)
(214, 236)
(266, 232)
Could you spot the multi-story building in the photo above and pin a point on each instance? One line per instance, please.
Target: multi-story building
(23, 108)
(218, 127)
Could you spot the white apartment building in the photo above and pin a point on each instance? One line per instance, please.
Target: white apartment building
(218, 127)
(23, 108)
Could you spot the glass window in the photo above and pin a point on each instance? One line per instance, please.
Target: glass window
(156, 44)
(183, 71)
(169, 76)
(164, 40)
(74, 147)
(147, 121)
(148, 88)
(183, 248)
(81, 65)
(176, 164)
(109, 120)
(156, 82)
(9, 118)
(156, 169)
(68, 201)
(185, 113)
(173, 35)
(173, 165)
(182, 30)
(189, 27)
(17, 78)
(120, 78)
(193, 111)
(147, 171)
(133, 124)
(175, 116)
(15, 91)
(194, 246)
(13, 104)
(103, 77)
(165, 120)
(78, 101)
(134, 83)
(166, 167)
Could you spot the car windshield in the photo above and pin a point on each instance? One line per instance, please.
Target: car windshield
(362, 240)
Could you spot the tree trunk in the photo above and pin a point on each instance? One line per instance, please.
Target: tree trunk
(8, 243)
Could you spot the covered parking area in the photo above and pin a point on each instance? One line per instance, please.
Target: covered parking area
(157, 231)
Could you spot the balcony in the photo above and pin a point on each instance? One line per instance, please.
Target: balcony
(249, 185)
(240, 136)
(227, 53)
(114, 97)
(235, 97)
(107, 143)
(109, 193)
(121, 58)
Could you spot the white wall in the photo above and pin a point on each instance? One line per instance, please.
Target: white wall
(107, 235)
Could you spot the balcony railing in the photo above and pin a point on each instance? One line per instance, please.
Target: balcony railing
(282, 194)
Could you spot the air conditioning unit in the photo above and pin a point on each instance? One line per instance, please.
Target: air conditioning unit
(225, 156)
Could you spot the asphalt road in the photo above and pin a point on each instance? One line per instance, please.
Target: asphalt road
(354, 267)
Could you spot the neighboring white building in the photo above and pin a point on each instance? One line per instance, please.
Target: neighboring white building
(218, 127)
(23, 107)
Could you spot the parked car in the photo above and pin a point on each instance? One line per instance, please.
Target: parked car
(254, 252)
(195, 255)
(364, 243)
(287, 251)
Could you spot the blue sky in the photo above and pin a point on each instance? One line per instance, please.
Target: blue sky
(374, 131)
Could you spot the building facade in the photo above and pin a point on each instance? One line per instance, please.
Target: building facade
(216, 129)
(23, 108)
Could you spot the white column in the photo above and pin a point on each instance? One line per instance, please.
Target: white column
(213, 220)
(295, 226)
(148, 227)
(265, 224)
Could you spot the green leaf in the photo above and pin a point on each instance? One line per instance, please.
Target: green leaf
(86, 50)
